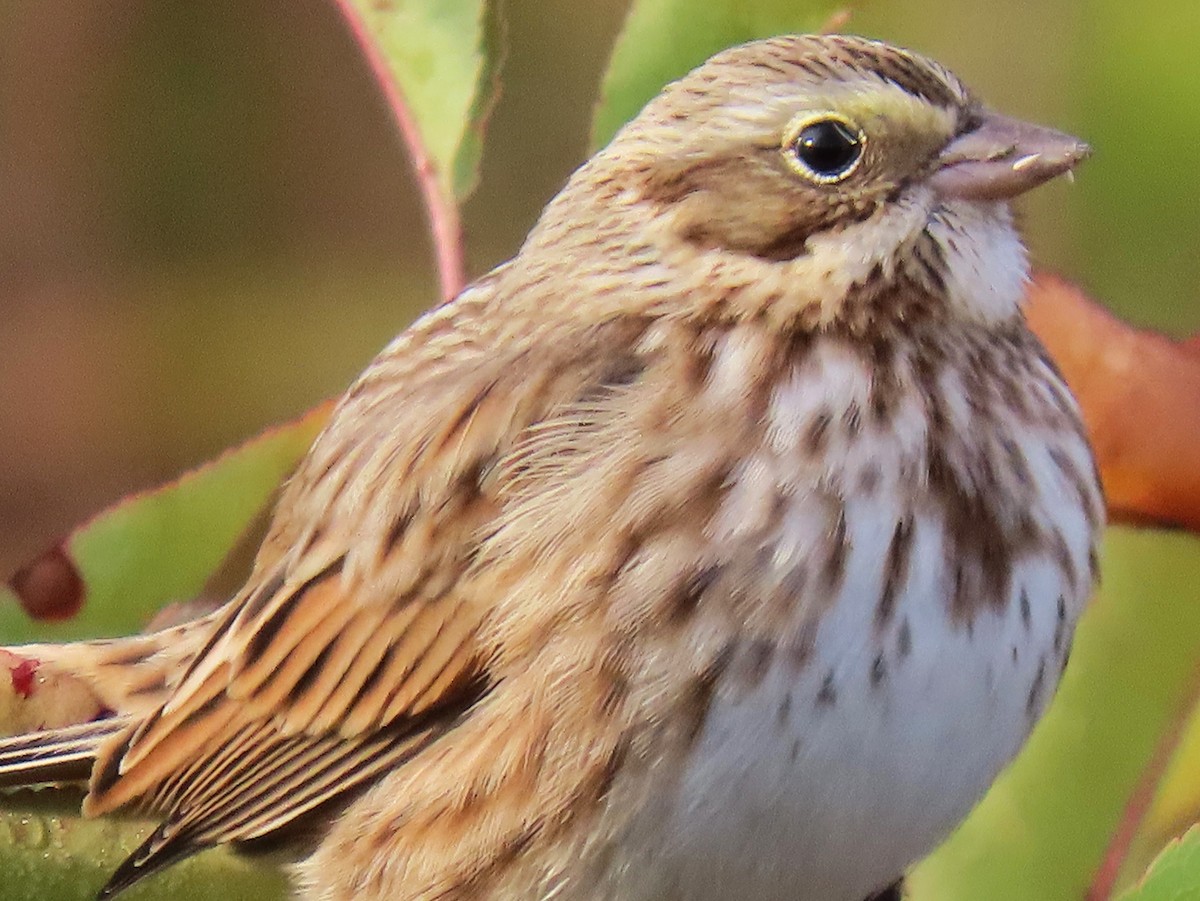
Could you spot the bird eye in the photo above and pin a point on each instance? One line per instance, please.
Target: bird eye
(825, 150)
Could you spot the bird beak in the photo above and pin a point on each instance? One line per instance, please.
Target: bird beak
(1004, 157)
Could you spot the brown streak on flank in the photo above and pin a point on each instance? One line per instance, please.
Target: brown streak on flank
(1018, 466)
(1061, 554)
(620, 373)
(878, 670)
(895, 569)
(852, 420)
(584, 802)
(682, 602)
(1036, 688)
(1060, 624)
(469, 483)
(697, 356)
(799, 648)
(834, 570)
(869, 479)
(626, 545)
(1093, 565)
(960, 593)
(613, 678)
(1079, 484)
(609, 771)
(754, 663)
(795, 584)
(784, 711)
(827, 694)
(474, 883)
(699, 693)
(816, 436)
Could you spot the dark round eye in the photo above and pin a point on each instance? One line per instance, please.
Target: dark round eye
(828, 149)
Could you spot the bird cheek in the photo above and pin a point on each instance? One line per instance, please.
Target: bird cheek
(756, 226)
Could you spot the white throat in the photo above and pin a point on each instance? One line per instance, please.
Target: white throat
(986, 263)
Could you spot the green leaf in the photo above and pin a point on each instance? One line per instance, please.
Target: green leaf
(1175, 875)
(45, 856)
(1176, 806)
(116, 570)
(654, 49)
(1044, 828)
(1150, 217)
(432, 59)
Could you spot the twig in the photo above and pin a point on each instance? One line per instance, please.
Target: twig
(442, 212)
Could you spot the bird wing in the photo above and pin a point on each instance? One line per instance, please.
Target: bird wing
(357, 645)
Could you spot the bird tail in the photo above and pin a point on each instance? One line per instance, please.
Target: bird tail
(54, 756)
(122, 678)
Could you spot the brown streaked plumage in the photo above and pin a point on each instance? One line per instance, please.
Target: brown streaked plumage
(687, 555)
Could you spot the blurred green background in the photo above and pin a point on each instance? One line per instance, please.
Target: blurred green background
(207, 222)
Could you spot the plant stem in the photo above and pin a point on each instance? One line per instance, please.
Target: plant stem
(442, 211)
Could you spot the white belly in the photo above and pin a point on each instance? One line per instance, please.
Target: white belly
(827, 779)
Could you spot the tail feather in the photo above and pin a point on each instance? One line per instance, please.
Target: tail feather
(154, 854)
(54, 756)
(127, 676)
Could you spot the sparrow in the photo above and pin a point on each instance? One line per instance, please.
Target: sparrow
(724, 543)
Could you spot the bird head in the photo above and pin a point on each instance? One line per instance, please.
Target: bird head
(814, 171)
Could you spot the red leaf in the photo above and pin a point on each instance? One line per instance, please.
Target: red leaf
(1140, 393)
(50, 586)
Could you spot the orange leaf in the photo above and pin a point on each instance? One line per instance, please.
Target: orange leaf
(1140, 393)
